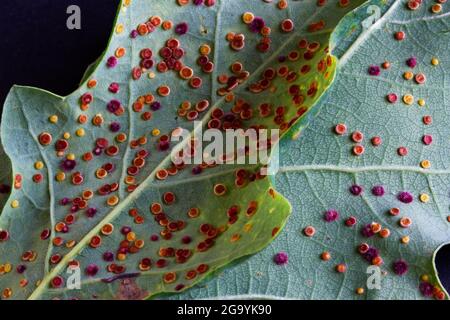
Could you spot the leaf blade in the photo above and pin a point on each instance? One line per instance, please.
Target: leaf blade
(77, 240)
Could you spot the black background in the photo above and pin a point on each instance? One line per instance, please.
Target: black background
(38, 50)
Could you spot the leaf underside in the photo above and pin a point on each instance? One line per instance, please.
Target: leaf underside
(52, 219)
(319, 167)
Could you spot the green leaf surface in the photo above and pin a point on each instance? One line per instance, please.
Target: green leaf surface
(34, 265)
(5, 177)
(319, 167)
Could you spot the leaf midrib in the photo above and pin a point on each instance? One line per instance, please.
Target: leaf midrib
(347, 169)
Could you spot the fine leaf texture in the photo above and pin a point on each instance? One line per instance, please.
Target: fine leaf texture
(319, 167)
(82, 204)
